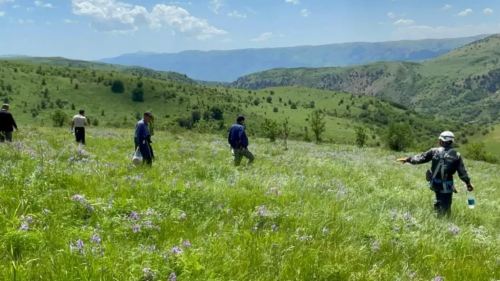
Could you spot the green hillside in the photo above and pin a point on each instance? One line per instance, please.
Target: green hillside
(463, 84)
(58, 61)
(35, 92)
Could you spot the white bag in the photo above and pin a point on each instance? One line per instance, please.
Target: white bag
(137, 158)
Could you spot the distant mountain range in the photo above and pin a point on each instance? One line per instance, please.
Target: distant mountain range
(227, 66)
(463, 84)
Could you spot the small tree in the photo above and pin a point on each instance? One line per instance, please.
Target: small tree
(59, 117)
(117, 87)
(317, 122)
(275, 109)
(216, 113)
(256, 102)
(77, 86)
(269, 99)
(285, 131)
(73, 107)
(361, 136)
(138, 95)
(270, 128)
(399, 136)
(95, 122)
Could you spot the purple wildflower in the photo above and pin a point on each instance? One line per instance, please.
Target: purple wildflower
(134, 216)
(325, 230)
(439, 278)
(187, 244)
(149, 224)
(45, 211)
(77, 197)
(407, 216)
(24, 226)
(172, 277)
(96, 239)
(255, 229)
(220, 206)
(182, 216)
(228, 211)
(454, 229)
(216, 235)
(412, 274)
(274, 227)
(375, 245)
(261, 210)
(79, 243)
(394, 214)
(279, 193)
(136, 228)
(153, 247)
(176, 250)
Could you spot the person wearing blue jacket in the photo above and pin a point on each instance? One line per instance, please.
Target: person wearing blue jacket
(142, 139)
(239, 142)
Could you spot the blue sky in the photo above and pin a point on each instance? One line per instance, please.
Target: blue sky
(93, 29)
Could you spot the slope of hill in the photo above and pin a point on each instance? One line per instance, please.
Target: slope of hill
(35, 91)
(59, 61)
(227, 66)
(463, 84)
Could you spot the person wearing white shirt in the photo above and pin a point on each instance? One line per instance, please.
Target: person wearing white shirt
(78, 124)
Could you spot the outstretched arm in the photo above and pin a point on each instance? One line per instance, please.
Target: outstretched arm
(462, 173)
(14, 123)
(418, 159)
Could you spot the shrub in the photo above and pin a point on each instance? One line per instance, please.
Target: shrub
(361, 136)
(117, 87)
(476, 151)
(317, 122)
(399, 137)
(270, 129)
(59, 117)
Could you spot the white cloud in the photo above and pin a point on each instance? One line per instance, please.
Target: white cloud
(465, 12)
(447, 7)
(180, 3)
(215, 5)
(236, 14)
(2, 14)
(417, 32)
(295, 2)
(16, 7)
(68, 21)
(114, 16)
(403, 22)
(304, 13)
(39, 3)
(263, 37)
(390, 15)
(21, 21)
(488, 11)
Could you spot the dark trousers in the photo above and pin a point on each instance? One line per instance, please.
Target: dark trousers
(80, 135)
(5, 136)
(147, 161)
(240, 153)
(442, 204)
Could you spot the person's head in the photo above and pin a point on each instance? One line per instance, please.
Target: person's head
(446, 139)
(82, 112)
(148, 116)
(240, 119)
(5, 107)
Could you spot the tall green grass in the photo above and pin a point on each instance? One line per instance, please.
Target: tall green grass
(311, 213)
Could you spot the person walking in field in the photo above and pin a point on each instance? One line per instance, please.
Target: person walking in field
(445, 163)
(7, 124)
(78, 126)
(239, 142)
(142, 139)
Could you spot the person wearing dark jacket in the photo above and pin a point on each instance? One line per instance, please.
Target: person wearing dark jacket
(445, 163)
(239, 142)
(142, 139)
(7, 124)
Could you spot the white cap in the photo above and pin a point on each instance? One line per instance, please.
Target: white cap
(447, 136)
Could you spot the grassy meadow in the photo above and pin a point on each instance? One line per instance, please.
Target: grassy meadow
(314, 212)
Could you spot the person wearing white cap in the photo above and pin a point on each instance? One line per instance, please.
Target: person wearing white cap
(7, 124)
(445, 163)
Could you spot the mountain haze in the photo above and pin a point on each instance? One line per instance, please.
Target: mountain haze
(463, 84)
(227, 66)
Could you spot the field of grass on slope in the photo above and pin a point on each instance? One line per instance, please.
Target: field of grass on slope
(311, 213)
(58, 61)
(35, 92)
(463, 85)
